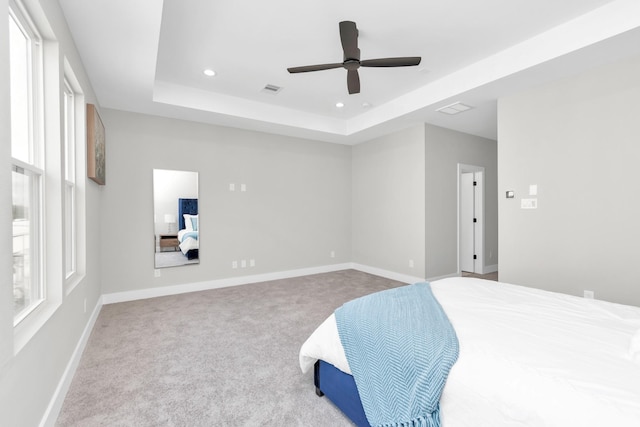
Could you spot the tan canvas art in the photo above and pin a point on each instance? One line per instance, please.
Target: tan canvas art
(96, 155)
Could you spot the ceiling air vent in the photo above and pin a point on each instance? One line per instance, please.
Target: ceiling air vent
(272, 89)
(455, 108)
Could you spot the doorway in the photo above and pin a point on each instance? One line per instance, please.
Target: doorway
(470, 219)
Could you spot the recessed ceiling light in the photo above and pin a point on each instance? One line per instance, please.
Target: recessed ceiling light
(209, 72)
(339, 104)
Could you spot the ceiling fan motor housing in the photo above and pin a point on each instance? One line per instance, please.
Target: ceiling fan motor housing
(351, 64)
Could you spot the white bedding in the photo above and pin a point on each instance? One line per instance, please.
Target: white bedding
(188, 243)
(527, 357)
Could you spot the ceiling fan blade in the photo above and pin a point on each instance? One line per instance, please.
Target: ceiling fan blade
(406, 61)
(349, 39)
(353, 82)
(318, 67)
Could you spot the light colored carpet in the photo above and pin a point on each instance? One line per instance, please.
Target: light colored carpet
(172, 259)
(221, 357)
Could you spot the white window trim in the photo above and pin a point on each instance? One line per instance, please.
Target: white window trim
(35, 165)
(69, 191)
(49, 155)
(79, 183)
(20, 15)
(36, 237)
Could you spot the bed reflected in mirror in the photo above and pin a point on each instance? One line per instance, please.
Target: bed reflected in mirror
(176, 220)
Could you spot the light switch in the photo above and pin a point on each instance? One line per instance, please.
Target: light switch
(533, 190)
(243, 187)
(232, 187)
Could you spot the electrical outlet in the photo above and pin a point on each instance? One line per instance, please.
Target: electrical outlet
(157, 273)
(252, 263)
(234, 264)
(332, 254)
(243, 263)
(589, 294)
(410, 263)
(529, 203)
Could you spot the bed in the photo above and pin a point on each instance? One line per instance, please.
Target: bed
(527, 357)
(189, 228)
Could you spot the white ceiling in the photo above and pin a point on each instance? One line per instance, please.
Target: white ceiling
(147, 56)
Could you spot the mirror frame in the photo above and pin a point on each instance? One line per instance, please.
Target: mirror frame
(176, 218)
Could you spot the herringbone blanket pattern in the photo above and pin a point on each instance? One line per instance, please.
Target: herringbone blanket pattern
(400, 347)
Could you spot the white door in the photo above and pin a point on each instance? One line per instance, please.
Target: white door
(467, 225)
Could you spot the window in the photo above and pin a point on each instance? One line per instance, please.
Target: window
(47, 171)
(73, 162)
(70, 210)
(25, 57)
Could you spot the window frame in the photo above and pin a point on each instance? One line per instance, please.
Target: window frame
(49, 120)
(34, 164)
(76, 128)
(70, 233)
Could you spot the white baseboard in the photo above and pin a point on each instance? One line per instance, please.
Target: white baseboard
(388, 274)
(55, 405)
(215, 284)
(117, 297)
(399, 276)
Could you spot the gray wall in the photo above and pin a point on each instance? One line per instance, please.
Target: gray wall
(388, 202)
(579, 140)
(296, 209)
(446, 148)
(405, 202)
(28, 378)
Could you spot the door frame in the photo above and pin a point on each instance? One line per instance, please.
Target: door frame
(478, 265)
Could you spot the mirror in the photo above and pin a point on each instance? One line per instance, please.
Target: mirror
(176, 220)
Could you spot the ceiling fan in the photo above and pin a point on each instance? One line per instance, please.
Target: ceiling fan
(351, 62)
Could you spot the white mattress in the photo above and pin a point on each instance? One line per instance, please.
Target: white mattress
(527, 357)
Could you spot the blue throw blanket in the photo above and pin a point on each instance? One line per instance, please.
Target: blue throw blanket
(400, 347)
